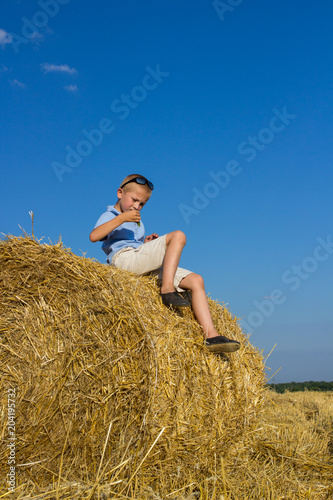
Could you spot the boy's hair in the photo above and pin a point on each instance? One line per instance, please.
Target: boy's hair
(129, 178)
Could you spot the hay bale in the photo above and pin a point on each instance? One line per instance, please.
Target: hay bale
(111, 386)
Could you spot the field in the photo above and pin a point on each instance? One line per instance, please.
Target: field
(292, 450)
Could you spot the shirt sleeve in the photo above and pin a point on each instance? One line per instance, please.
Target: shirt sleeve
(106, 217)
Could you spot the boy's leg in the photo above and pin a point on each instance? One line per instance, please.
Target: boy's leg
(214, 341)
(164, 251)
(195, 283)
(143, 259)
(175, 243)
(160, 257)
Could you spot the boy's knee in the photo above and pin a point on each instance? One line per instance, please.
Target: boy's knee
(180, 236)
(200, 280)
(197, 280)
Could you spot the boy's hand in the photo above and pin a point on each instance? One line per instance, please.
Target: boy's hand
(131, 215)
(151, 237)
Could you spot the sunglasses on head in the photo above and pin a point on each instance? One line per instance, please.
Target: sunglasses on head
(141, 181)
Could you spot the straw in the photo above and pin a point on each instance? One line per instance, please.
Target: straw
(85, 344)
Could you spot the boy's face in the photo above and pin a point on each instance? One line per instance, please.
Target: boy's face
(132, 198)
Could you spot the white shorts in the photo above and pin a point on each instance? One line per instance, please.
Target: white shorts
(147, 259)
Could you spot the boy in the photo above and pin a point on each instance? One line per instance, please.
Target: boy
(124, 242)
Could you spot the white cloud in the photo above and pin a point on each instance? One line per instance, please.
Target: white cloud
(71, 88)
(36, 37)
(5, 38)
(53, 68)
(3, 68)
(16, 83)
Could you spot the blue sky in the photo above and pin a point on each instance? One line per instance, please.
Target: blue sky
(227, 107)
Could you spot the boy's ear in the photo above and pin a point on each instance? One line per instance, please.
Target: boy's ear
(120, 192)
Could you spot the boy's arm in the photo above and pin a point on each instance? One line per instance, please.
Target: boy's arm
(103, 230)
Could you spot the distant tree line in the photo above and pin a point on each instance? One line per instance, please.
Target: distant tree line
(302, 386)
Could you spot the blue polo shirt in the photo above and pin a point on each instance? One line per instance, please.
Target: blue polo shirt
(128, 234)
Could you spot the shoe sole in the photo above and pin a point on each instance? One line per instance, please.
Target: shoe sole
(223, 347)
(177, 305)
